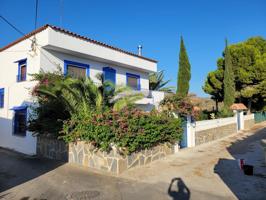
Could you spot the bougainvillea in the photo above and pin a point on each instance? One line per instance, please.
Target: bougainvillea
(129, 129)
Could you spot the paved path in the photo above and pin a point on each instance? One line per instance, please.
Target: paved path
(209, 171)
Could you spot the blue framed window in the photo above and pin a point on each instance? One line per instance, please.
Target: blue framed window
(133, 81)
(20, 121)
(76, 70)
(2, 97)
(22, 70)
(109, 74)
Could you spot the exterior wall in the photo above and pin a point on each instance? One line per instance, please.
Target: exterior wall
(52, 148)
(67, 42)
(249, 121)
(212, 134)
(84, 154)
(17, 93)
(52, 59)
(210, 130)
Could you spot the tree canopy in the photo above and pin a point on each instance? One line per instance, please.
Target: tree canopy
(249, 65)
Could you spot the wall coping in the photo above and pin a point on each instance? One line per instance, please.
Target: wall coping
(214, 123)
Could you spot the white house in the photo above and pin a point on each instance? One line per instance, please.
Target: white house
(48, 48)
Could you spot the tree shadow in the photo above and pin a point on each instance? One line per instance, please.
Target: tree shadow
(17, 168)
(243, 186)
(181, 192)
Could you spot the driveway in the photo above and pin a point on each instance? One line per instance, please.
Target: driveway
(208, 171)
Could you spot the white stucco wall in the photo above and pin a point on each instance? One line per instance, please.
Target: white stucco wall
(17, 94)
(52, 59)
(67, 42)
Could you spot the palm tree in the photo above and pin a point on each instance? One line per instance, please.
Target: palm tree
(157, 82)
(84, 96)
(117, 97)
(78, 95)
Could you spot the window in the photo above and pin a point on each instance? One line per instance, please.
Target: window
(75, 69)
(22, 70)
(109, 74)
(76, 72)
(2, 97)
(133, 81)
(20, 121)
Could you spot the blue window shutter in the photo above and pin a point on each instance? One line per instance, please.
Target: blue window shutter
(21, 77)
(2, 97)
(109, 74)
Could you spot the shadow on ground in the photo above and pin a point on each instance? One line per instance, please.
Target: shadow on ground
(178, 190)
(16, 168)
(243, 186)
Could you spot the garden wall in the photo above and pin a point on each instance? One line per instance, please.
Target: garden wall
(210, 130)
(84, 154)
(52, 148)
(249, 121)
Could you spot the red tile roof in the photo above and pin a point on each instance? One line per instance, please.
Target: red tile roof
(238, 106)
(74, 35)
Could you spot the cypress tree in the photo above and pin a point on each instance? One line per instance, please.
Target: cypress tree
(183, 76)
(229, 81)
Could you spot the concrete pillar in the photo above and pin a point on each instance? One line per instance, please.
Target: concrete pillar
(240, 120)
(188, 139)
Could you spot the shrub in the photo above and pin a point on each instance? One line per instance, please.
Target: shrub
(223, 113)
(178, 104)
(130, 129)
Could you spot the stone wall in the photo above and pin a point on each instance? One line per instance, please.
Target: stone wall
(85, 154)
(52, 148)
(212, 134)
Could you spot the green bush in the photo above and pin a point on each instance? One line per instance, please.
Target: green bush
(223, 113)
(130, 129)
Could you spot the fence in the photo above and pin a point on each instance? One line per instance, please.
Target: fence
(200, 132)
(260, 117)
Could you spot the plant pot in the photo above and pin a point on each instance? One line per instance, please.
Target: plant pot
(248, 170)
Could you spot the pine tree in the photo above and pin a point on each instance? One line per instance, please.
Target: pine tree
(229, 81)
(183, 71)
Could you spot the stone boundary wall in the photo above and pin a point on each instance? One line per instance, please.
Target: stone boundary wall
(52, 148)
(249, 121)
(215, 133)
(85, 154)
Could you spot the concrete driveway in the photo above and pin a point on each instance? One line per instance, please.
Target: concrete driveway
(209, 171)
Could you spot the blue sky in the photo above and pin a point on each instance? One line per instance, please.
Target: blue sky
(157, 25)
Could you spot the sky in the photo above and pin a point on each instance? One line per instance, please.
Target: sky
(155, 24)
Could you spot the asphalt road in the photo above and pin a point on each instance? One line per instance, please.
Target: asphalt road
(206, 172)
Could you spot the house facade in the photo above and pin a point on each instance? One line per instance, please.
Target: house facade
(50, 48)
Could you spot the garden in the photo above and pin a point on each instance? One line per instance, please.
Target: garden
(79, 110)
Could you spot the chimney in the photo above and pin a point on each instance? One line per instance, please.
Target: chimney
(140, 50)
